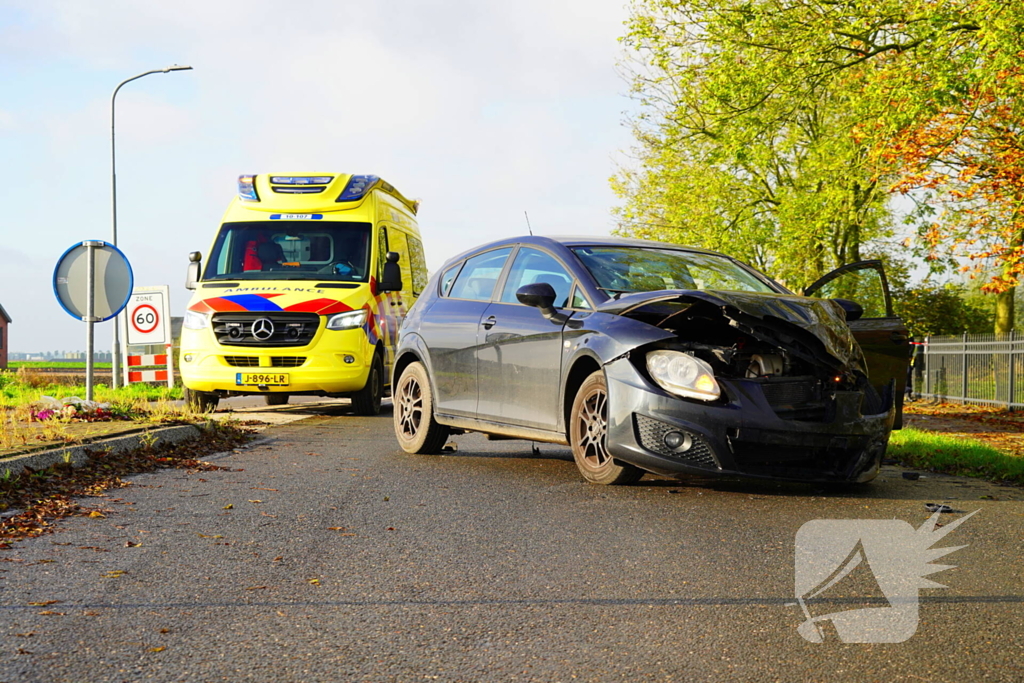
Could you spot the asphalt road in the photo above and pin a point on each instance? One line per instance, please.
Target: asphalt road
(326, 554)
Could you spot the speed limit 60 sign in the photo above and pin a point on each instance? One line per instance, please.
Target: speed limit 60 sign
(148, 316)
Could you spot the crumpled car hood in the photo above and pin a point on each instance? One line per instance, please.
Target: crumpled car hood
(813, 329)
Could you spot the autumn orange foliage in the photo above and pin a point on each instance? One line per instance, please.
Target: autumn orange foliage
(968, 160)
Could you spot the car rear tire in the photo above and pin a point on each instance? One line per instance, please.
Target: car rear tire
(366, 401)
(415, 427)
(588, 435)
(201, 401)
(277, 399)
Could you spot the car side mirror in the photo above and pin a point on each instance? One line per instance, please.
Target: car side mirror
(854, 311)
(195, 259)
(539, 295)
(391, 278)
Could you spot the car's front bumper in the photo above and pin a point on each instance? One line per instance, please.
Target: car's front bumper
(742, 435)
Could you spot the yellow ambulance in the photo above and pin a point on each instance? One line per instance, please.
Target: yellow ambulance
(303, 291)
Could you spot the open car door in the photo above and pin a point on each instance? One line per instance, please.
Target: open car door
(881, 334)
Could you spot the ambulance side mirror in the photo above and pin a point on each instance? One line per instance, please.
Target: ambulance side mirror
(192, 276)
(391, 278)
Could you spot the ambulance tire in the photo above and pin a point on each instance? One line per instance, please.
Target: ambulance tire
(366, 401)
(276, 399)
(201, 401)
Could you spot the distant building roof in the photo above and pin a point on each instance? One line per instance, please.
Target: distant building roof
(4, 314)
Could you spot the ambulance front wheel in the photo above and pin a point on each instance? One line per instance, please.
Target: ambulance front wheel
(366, 401)
(201, 401)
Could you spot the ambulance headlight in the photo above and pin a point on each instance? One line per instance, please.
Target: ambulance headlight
(195, 321)
(349, 320)
(683, 375)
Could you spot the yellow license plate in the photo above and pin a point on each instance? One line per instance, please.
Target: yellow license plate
(267, 379)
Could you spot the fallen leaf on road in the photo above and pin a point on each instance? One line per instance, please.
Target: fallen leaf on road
(93, 547)
(229, 506)
(165, 630)
(261, 488)
(114, 574)
(315, 582)
(255, 588)
(23, 652)
(335, 528)
(255, 501)
(97, 513)
(278, 558)
(131, 544)
(43, 604)
(157, 649)
(49, 613)
(208, 536)
(25, 635)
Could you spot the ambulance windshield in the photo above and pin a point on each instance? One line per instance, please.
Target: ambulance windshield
(291, 250)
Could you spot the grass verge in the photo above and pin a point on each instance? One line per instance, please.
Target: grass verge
(45, 496)
(954, 455)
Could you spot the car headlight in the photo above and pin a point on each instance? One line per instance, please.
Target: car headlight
(195, 321)
(683, 375)
(349, 320)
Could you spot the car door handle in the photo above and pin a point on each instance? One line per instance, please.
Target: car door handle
(489, 323)
(898, 337)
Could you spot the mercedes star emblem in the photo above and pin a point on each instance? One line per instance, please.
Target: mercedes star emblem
(263, 329)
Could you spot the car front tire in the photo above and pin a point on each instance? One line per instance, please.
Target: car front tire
(588, 436)
(415, 427)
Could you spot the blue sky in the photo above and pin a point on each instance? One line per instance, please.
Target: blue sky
(480, 109)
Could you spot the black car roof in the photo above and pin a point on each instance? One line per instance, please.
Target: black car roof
(570, 241)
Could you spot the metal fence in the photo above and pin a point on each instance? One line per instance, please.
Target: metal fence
(972, 368)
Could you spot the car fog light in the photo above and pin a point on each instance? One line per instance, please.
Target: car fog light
(678, 441)
(349, 359)
(189, 357)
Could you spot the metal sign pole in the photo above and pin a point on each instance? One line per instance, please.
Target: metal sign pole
(90, 309)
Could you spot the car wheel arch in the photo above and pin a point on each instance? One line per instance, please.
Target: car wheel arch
(582, 367)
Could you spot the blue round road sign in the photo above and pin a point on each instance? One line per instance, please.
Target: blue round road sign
(112, 280)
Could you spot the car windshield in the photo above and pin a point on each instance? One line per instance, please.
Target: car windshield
(621, 270)
(291, 250)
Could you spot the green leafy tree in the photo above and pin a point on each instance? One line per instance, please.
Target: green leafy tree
(780, 125)
(929, 310)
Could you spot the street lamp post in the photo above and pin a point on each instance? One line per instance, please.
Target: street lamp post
(116, 351)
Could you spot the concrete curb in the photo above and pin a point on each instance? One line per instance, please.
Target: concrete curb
(77, 455)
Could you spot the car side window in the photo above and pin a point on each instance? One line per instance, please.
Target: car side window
(478, 277)
(578, 300)
(864, 285)
(448, 277)
(531, 266)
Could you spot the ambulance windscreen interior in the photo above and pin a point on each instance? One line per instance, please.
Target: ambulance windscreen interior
(291, 250)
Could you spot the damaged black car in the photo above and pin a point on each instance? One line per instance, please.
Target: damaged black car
(650, 357)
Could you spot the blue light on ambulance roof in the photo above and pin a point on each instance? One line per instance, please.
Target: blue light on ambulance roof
(358, 185)
(247, 188)
(300, 180)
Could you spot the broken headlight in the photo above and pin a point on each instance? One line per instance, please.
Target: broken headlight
(682, 374)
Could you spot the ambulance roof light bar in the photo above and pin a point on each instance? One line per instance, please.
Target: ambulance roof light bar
(247, 188)
(358, 185)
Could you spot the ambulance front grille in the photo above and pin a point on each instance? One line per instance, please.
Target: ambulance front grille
(265, 329)
(242, 361)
